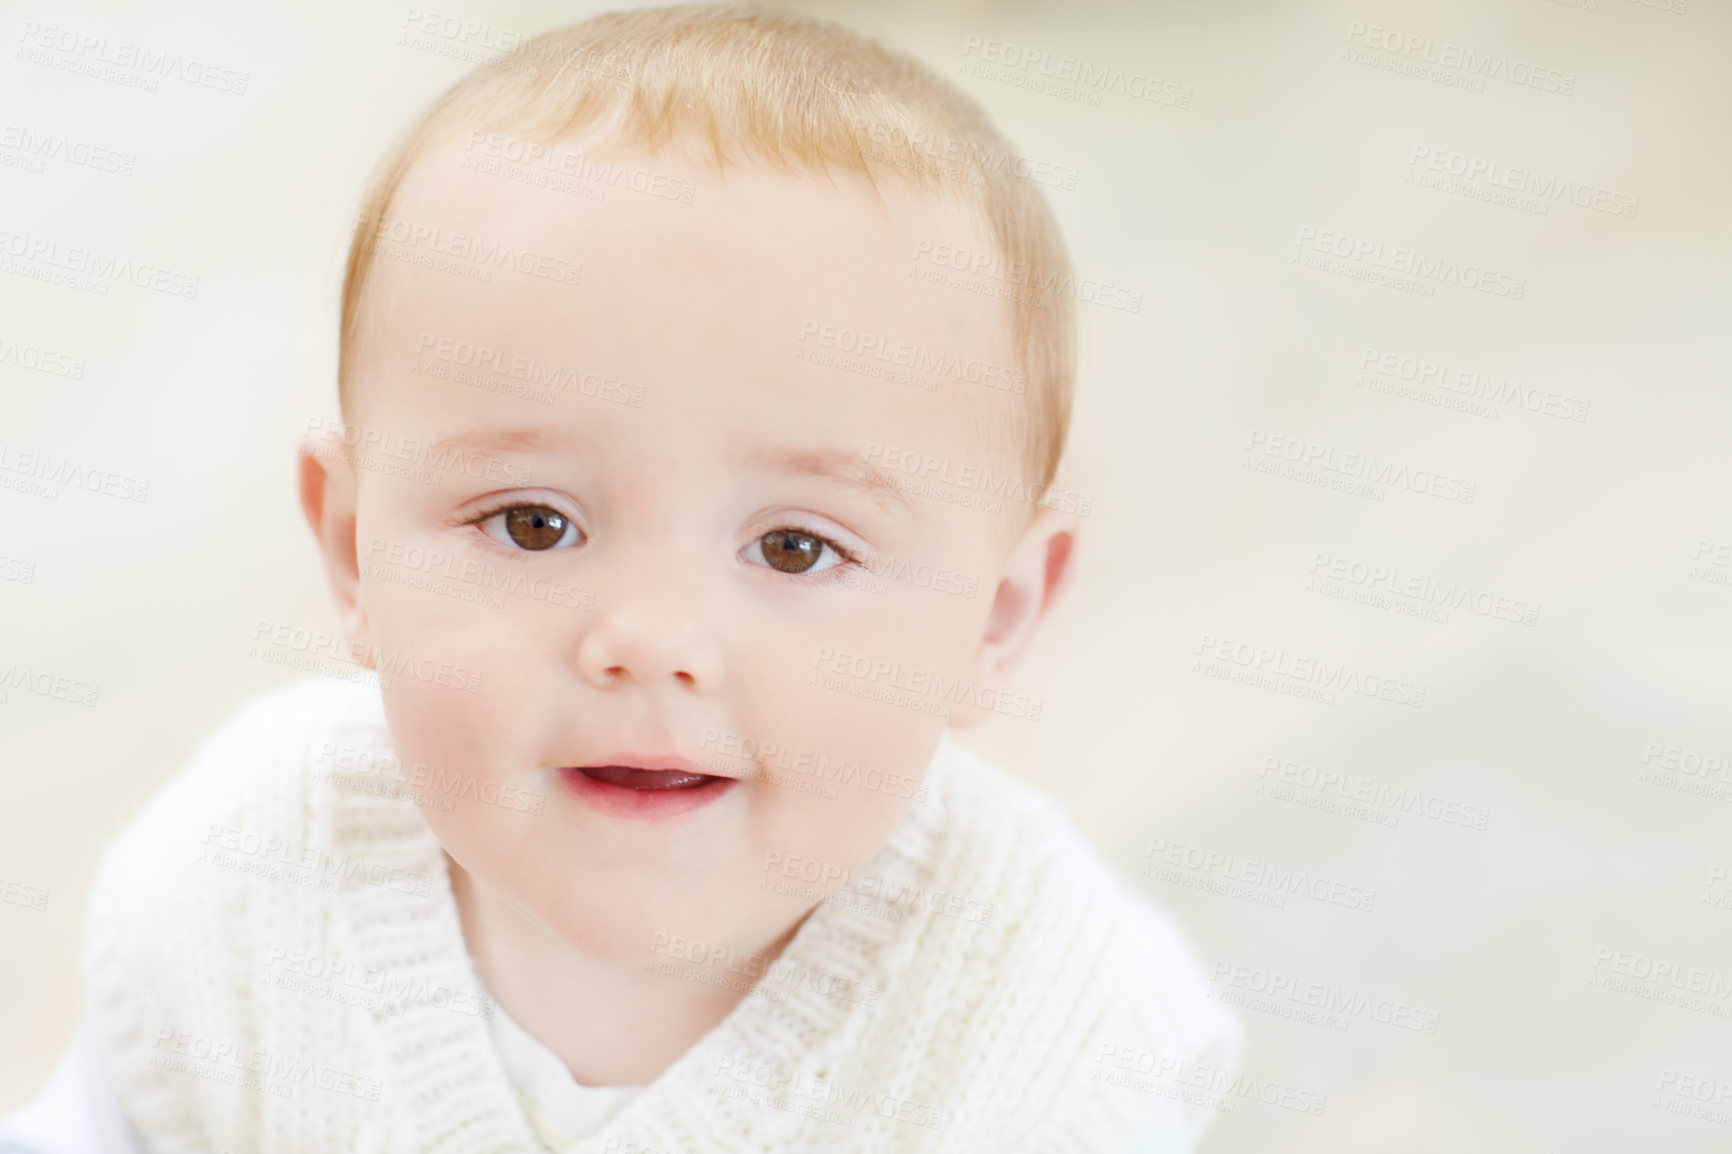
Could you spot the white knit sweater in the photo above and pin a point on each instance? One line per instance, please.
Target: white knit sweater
(244, 1012)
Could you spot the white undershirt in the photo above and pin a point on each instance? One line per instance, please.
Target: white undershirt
(561, 1110)
(79, 1112)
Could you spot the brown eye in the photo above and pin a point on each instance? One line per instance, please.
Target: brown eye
(535, 526)
(793, 551)
(790, 550)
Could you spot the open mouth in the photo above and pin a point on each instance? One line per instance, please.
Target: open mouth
(646, 794)
(630, 777)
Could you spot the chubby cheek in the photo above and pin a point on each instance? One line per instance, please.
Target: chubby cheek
(841, 730)
(456, 678)
(824, 827)
(458, 695)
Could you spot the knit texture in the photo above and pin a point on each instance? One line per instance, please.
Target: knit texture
(277, 965)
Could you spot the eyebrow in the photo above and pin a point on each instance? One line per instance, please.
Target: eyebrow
(843, 468)
(849, 470)
(497, 441)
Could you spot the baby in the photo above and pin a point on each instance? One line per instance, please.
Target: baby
(704, 372)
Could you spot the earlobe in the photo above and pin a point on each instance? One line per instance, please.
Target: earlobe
(328, 499)
(1036, 572)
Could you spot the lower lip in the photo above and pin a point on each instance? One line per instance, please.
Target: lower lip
(643, 804)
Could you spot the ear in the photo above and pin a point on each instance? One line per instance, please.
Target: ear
(328, 497)
(1037, 571)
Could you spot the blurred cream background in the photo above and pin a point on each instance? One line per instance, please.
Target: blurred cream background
(1571, 732)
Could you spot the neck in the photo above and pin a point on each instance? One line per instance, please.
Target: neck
(611, 1024)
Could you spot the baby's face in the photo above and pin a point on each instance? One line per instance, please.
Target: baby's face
(697, 558)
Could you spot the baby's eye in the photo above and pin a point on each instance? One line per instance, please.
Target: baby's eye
(793, 551)
(534, 527)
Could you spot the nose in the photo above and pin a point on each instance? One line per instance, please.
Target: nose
(650, 631)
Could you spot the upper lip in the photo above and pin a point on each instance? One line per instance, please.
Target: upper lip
(639, 760)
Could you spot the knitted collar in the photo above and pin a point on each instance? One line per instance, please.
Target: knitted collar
(812, 1010)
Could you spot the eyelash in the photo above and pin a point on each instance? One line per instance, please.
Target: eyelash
(488, 512)
(850, 559)
(839, 572)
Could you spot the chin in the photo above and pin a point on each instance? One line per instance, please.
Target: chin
(625, 929)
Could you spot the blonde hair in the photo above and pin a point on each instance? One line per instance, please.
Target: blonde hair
(776, 88)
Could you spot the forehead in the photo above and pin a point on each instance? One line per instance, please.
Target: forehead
(787, 303)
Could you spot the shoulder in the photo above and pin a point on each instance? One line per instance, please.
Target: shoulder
(1133, 989)
(179, 872)
(1019, 840)
(1053, 861)
(77, 1110)
(262, 750)
(178, 915)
